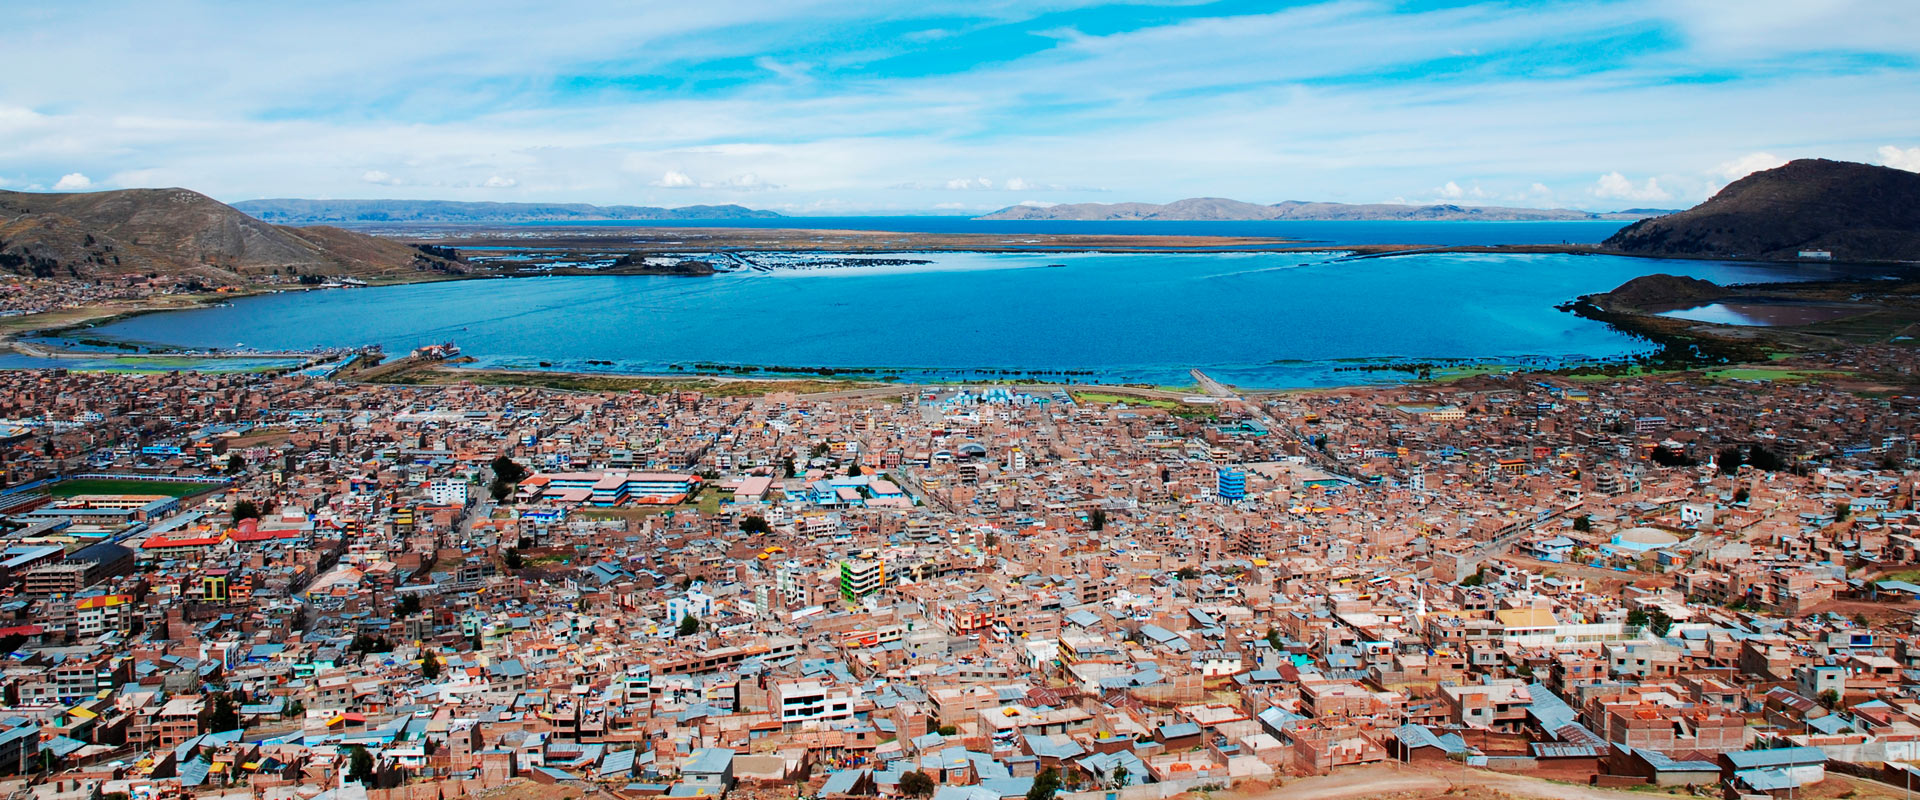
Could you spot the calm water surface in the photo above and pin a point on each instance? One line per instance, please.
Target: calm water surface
(1258, 320)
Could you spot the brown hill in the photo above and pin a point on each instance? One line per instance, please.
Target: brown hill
(179, 232)
(1662, 291)
(1857, 212)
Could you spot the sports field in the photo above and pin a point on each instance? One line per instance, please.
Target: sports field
(79, 486)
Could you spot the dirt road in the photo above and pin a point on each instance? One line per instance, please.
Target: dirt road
(1391, 779)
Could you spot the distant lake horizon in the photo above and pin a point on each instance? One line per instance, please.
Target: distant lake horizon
(1264, 320)
(1331, 232)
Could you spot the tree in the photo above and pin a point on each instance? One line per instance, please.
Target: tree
(1842, 512)
(689, 625)
(514, 560)
(1730, 459)
(1118, 780)
(246, 509)
(1187, 573)
(1097, 519)
(1478, 578)
(1762, 458)
(853, 471)
(1637, 618)
(786, 466)
(507, 474)
(916, 784)
(1659, 622)
(235, 464)
(1045, 785)
(755, 524)
(223, 717)
(363, 643)
(429, 665)
(1666, 457)
(1741, 495)
(948, 730)
(1583, 523)
(360, 766)
(407, 607)
(1830, 698)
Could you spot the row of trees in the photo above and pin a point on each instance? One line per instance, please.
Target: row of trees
(1045, 785)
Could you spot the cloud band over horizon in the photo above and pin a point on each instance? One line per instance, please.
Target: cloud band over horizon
(806, 106)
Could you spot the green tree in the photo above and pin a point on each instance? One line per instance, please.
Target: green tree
(916, 784)
(1741, 495)
(1097, 519)
(360, 766)
(507, 474)
(786, 467)
(1659, 622)
(246, 509)
(514, 559)
(853, 471)
(1045, 785)
(1730, 459)
(235, 464)
(1637, 618)
(1583, 523)
(1830, 698)
(407, 607)
(755, 524)
(1118, 780)
(223, 717)
(689, 625)
(429, 665)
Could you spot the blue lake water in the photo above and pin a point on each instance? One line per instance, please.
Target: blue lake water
(1255, 319)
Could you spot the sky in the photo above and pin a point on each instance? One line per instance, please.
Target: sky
(928, 106)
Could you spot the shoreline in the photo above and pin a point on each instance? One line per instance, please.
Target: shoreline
(1672, 337)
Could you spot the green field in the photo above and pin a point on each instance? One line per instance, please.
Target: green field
(1770, 374)
(108, 486)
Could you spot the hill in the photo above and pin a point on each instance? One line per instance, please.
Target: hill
(346, 212)
(183, 233)
(1660, 291)
(1857, 212)
(1221, 209)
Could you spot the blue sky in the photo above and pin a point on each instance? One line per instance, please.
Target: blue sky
(953, 107)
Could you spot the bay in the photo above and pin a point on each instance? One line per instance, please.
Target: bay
(1252, 319)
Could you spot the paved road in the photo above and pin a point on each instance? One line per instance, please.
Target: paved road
(1212, 387)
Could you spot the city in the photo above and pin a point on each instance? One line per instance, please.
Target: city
(1663, 582)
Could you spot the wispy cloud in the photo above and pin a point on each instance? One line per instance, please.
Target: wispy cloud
(860, 104)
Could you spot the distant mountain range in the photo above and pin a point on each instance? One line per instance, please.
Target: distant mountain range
(348, 212)
(184, 233)
(1855, 212)
(1221, 209)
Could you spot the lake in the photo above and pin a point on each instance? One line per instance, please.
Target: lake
(1252, 319)
(1331, 232)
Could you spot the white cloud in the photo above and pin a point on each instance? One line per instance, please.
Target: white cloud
(675, 179)
(1615, 186)
(970, 183)
(1907, 159)
(498, 182)
(72, 182)
(1036, 203)
(1451, 190)
(379, 177)
(1747, 165)
(1018, 185)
